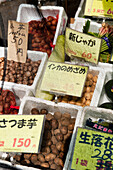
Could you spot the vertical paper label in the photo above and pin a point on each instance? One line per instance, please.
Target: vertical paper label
(82, 45)
(64, 78)
(21, 133)
(17, 41)
(103, 8)
(93, 150)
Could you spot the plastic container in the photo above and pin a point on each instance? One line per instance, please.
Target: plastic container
(95, 112)
(34, 56)
(31, 102)
(28, 12)
(99, 71)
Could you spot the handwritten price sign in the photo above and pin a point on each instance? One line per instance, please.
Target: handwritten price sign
(102, 8)
(64, 78)
(78, 44)
(21, 133)
(17, 41)
(93, 150)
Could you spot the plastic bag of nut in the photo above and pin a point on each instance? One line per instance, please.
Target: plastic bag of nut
(57, 135)
(7, 102)
(41, 34)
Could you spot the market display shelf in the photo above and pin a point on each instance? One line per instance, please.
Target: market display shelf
(28, 12)
(31, 102)
(34, 56)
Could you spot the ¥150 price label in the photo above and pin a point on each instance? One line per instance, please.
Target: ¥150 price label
(81, 45)
(21, 133)
(21, 142)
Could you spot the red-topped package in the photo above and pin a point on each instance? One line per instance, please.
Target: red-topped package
(7, 100)
(41, 34)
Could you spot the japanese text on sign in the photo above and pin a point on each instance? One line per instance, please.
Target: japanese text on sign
(64, 78)
(93, 150)
(17, 41)
(103, 8)
(67, 69)
(81, 45)
(20, 123)
(21, 133)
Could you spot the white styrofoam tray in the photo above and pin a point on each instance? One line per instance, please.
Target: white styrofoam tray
(27, 12)
(106, 66)
(34, 56)
(100, 81)
(99, 85)
(80, 22)
(103, 97)
(95, 112)
(31, 102)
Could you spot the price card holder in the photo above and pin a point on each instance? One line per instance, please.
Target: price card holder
(21, 133)
(92, 150)
(17, 41)
(99, 8)
(81, 45)
(64, 79)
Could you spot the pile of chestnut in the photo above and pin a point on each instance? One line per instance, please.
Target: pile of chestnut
(41, 34)
(55, 144)
(21, 73)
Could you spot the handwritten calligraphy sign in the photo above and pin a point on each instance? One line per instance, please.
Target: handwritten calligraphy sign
(64, 78)
(93, 150)
(17, 41)
(21, 133)
(102, 8)
(81, 45)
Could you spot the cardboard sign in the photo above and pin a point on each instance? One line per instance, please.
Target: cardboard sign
(101, 8)
(17, 41)
(93, 150)
(64, 78)
(21, 133)
(81, 45)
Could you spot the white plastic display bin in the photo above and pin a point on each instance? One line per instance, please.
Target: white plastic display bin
(30, 102)
(34, 56)
(100, 81)
(95, 113)
(28, 12)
